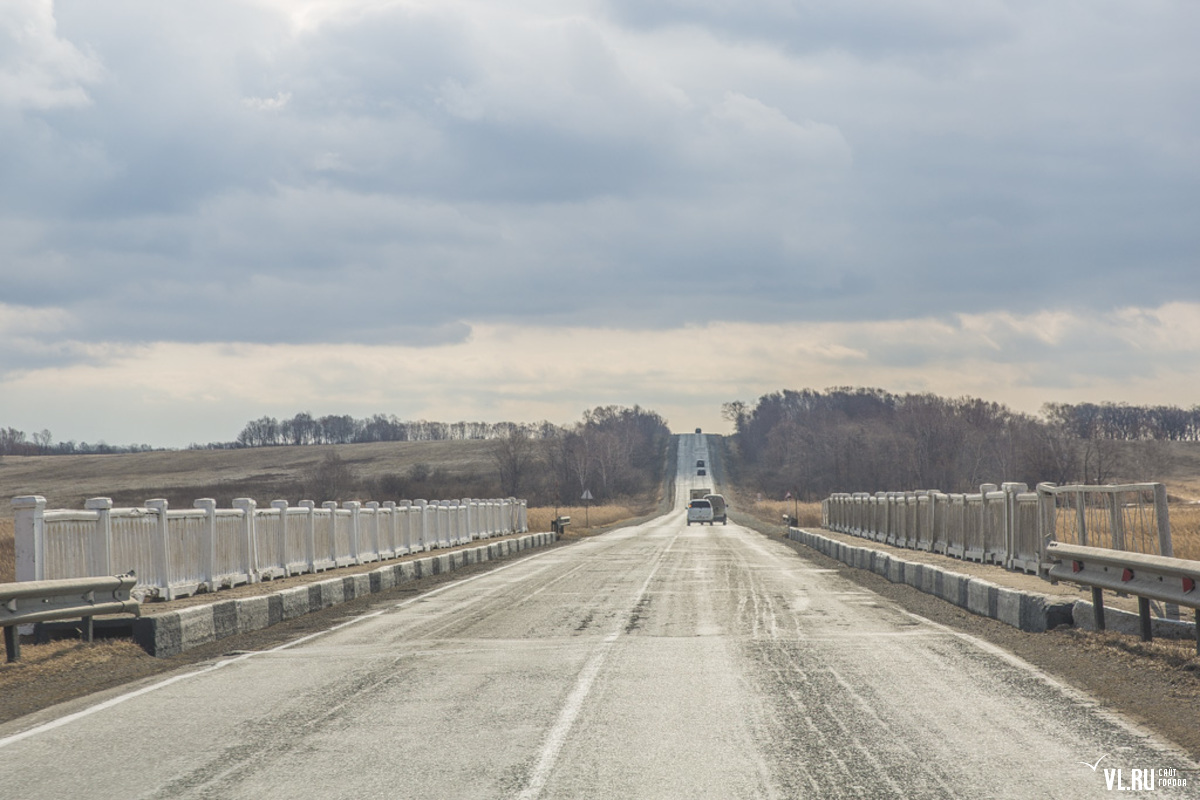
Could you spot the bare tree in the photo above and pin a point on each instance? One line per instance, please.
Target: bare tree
(515, 456)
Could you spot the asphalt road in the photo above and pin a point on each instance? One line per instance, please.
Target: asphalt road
(659, 661)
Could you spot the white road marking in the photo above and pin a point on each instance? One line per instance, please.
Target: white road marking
(557, 737)
(116, 701)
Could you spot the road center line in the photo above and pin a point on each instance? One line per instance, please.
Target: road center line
(557, 737)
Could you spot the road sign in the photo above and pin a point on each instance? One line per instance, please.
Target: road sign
(587, 494)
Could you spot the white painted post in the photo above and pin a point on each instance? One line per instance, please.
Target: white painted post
(102, 538)
(248, 506)
(282, 554)
(208, 542)
(310, 534)
(162, 547)
(355, 550)
(406, 526)
(423, 530)
(30, 544)
(374, 530)
(332, 506)
(392, 518)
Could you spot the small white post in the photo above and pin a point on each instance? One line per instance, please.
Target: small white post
(281, 546)
(208, 541)
(30, 527)
(310, 534)
(162, 548)
(355, 550)
(424, 523)
(248, 506)
(102, 539)
(393, 519)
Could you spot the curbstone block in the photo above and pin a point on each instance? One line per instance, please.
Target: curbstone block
(255, 613)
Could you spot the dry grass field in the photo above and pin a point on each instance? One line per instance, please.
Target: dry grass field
(264, 473)
(444, 470)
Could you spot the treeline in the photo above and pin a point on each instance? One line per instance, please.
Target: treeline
(304, 428)
(849, 439)
(612, 452)
(1126, 422)
(15, 442)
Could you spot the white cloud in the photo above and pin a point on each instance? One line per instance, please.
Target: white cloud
(39, 69)
(179, 393)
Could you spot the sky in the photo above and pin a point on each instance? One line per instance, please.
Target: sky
(462, 210)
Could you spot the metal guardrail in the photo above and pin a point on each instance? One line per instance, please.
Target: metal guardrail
(70, 598)
(1148, 577)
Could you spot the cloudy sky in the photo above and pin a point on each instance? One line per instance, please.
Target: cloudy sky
(460, 209)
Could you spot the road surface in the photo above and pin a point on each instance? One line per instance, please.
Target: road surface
(658, 661)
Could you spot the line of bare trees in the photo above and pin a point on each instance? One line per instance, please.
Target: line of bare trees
(14, 442)
(813, 443)
(304, 429)
(1126, 422)
(613, 451)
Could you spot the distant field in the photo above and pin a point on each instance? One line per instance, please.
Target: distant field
(382, 471)
(264, 473)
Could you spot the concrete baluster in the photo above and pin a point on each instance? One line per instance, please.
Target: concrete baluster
(208, 542)
(102, 538)
(30, 544)
(249, 543)
(162, 548)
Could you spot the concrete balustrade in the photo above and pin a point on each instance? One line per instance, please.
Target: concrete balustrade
(179, 552)
(1008, 524)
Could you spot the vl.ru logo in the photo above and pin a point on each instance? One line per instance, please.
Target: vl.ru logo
(1139, 780)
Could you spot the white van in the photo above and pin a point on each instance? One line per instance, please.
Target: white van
(700, 511)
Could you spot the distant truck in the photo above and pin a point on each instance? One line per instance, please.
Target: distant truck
(700, 494)
(718, 507)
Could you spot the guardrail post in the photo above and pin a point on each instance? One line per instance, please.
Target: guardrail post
(162, 547)
(102, 538)
(12, 643)
(208, 540)
(248, 506)
(30, 544)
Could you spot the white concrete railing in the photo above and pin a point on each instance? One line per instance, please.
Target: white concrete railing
(1008, 524)
(178, 552)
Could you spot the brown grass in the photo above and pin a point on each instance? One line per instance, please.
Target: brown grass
(8, 557)
(67, 656)
(597, 517)
(264, 473)
(808, 514)
(1185, 530)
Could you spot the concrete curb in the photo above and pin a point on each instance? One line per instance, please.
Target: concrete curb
(172, 632)
(1027, 611)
